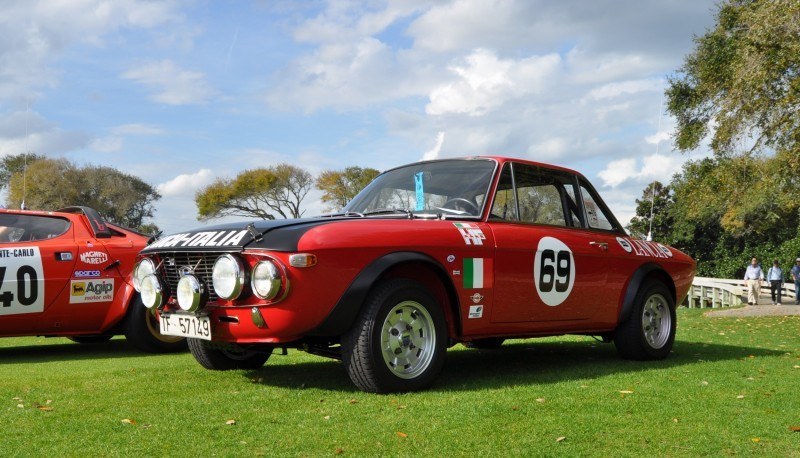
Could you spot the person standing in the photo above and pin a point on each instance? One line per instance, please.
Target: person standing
(775, 279)
(796, 277)
(752, 279)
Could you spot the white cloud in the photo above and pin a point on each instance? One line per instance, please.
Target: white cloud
(106, 144)
(22, 131)
(433, 153)
(616, 89)
(137, 129)
(484, 82)
(653, 167)
(171, 85)
(185, 185)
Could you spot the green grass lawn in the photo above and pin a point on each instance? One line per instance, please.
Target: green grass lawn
(732, 386)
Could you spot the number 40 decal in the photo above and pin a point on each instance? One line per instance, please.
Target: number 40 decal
(553, 271)
(27, 287)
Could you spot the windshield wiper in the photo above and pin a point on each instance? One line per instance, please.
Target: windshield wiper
(334, 215)
(383, 211)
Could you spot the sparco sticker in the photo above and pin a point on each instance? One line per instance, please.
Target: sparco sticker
(209, 238)
(82, 292)
(94, 257)
(553, 271)
(21, 281)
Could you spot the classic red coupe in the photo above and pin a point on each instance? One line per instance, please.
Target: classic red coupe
(473, 250)
(67, 273)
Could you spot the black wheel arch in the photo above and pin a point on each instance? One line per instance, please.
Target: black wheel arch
(344, 313)
(640, 276)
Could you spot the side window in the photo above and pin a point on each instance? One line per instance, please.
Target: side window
(596, 215)
(505, 204)
(26, 228)
(543, 196)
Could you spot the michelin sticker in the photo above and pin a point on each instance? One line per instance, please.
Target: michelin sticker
(553, 271)
(475, 311)
(21, 281)
(82, 292)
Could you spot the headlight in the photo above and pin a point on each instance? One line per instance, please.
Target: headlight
(191, 293)
(151, 290)
(142, 269)
(228, 277)
(266, 280)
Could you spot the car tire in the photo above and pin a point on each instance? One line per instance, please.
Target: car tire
(217, 359)
(142, 331)
(398, 342)
(649, 332)
(95, 339)
(489, 343)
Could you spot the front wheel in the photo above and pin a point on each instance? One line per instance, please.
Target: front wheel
(650, 330)
(398, 342)
(142, 331)
(219, 359)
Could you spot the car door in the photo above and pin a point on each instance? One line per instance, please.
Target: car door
(37, 255)
(547, 267)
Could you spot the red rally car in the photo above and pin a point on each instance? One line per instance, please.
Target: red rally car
(473, 250)
(67, 273)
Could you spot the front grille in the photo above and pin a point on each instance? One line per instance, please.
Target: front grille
(174, 265)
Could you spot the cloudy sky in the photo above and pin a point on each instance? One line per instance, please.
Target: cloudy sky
(181, 92)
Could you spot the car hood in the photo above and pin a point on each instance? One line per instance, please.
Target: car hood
(279, 235)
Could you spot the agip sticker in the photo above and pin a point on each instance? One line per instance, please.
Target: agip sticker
(553, 271)
(86, 291)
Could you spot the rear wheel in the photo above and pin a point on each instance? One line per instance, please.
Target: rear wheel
(219, 359)
(95, 339)
(398, 343)
(142, 331)
(649, 332)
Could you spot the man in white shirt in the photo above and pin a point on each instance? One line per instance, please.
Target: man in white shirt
(752, 279)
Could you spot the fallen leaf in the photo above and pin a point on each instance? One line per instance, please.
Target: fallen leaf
(353, 401)
(515, 408)
(674, 420)
(704, 383)
(797, 367)
(626, 392)
(21, 406)
(339, 451)
(326, 417)
(741, 396)
(45, 408)
(540, 400)
(230, 422)
(756, 439)
(128, 421)
(560, 439)
(16, 399)
(145, 426)
(794, 429)
(48, 402)
(403, 435)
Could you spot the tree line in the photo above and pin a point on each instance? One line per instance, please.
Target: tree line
(278, 191)
(738, 90)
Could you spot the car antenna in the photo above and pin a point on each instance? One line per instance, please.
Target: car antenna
(25, 156)
(653, 195)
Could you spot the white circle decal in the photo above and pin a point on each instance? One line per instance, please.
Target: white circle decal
(626, 245)
(665, 250)
(553, 271)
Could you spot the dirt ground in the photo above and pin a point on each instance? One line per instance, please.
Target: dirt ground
(764, 308)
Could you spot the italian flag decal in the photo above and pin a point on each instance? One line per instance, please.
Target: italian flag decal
(477, 273)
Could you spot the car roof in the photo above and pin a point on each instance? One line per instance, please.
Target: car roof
(500, 160)
(37, 213)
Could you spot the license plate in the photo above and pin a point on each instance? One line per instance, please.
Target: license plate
(175, 324)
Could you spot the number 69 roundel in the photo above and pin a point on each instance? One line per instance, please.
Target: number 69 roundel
(553, 271)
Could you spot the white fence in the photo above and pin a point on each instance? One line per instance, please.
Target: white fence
(722, 292)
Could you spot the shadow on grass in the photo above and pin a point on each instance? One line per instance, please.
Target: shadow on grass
(521, 363)
(67, 351)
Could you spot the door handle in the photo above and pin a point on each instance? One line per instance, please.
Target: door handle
(602, 245)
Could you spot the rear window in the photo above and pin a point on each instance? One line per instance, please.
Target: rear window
(27, 228)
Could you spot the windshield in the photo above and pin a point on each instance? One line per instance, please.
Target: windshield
(455, 187)
(28, 228)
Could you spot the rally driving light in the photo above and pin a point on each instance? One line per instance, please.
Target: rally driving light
(142, 269)
(228, 277)
(191, 293)
(151, 290)
(266, 280)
